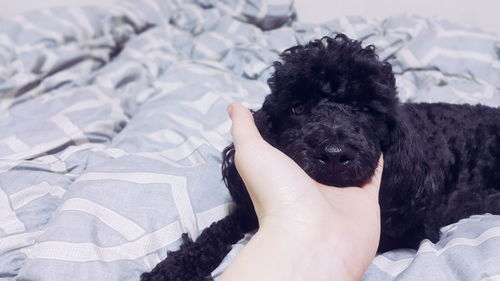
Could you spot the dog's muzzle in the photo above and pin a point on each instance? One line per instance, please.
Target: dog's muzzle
(335, 158)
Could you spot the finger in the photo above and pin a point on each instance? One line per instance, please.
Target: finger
(262, 166)
(243, 127)
(250, 149)
(373, 185)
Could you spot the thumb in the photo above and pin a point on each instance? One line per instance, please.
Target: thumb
(250, 150)
(262, 166)
(243, 128)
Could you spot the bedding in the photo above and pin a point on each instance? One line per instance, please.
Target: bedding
(113, 119)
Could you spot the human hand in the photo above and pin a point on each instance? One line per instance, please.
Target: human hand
(344, 222)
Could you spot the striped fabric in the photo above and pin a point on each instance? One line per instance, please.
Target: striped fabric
(112, 121)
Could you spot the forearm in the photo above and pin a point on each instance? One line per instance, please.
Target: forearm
(274, 255)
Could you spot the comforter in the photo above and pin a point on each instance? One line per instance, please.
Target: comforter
(113, 119)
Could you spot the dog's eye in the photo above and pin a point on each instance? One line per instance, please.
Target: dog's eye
(297, 109)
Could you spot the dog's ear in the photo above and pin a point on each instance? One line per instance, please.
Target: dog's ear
(367, 81)
(381, 86)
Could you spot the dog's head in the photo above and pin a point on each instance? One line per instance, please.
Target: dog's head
(331, 107)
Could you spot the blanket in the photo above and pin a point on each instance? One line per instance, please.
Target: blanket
(113, 119)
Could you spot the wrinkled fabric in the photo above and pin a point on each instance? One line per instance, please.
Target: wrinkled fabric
(112, 120)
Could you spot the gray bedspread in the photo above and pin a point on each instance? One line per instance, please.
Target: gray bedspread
(112, 120)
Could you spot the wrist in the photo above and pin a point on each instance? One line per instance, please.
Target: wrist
(308, 254)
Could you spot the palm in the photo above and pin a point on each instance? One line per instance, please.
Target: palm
(346, 221)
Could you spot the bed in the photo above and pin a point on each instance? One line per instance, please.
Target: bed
(113, 119)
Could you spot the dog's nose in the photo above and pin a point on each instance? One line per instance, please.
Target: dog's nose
(335, 156)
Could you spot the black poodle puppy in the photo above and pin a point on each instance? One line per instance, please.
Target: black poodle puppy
(333, 109)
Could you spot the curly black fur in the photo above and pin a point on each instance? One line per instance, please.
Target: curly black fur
(333, 109)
